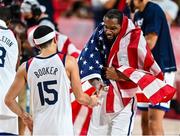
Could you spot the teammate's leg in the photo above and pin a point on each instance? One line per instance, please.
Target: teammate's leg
(143, 107)
(156, 121)
(157, 112)
(145, 123)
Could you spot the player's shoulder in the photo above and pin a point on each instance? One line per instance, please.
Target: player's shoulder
(22, 68)
(154, 8)
(71, 62)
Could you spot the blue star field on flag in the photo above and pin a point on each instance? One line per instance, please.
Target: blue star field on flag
(94, 55)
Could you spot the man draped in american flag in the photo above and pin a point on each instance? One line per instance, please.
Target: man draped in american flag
(118, 58)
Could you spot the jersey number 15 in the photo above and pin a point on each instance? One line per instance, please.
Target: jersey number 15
(45, 85)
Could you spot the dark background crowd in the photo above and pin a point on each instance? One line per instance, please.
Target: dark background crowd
(89, 13)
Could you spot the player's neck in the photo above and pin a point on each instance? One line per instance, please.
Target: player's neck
(143, 5)
(48, 51)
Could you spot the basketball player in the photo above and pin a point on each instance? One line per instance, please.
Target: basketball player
(8, 61)
(49, 76)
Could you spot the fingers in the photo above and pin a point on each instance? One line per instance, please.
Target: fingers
(30, 127)
(27, 119)
(95, 101)
(109, 72)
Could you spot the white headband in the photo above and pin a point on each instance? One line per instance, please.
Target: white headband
(45, 38)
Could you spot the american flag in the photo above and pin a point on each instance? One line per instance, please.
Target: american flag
(93, 56)
(131, 56)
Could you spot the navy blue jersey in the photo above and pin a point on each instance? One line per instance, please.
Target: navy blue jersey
(152, 19)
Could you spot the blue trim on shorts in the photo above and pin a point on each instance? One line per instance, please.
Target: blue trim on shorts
(132, 110)
(159, 107)
(7, 134)
(142, 108)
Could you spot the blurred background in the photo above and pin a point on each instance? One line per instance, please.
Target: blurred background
(78, 18)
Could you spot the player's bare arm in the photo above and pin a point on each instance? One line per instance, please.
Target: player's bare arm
(151, 39)
(14, 91)
(73, 74)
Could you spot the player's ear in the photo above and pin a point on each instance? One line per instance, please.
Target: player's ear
(38, 47)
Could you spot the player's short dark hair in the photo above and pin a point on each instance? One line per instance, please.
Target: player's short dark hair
(115, 13)
(41, 31)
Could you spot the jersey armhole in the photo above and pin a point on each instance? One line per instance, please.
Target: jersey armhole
(63, 58)
(28, 64)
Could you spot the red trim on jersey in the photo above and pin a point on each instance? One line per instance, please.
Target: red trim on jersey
(28, 63)
(61, 56)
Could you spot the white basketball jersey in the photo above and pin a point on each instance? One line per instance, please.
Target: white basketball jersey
(8, 61)
(50, 96)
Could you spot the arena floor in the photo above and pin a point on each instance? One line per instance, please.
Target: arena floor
(171, 127)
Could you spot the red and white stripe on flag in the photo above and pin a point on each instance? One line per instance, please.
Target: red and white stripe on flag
(153, 89)
(81, 114)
